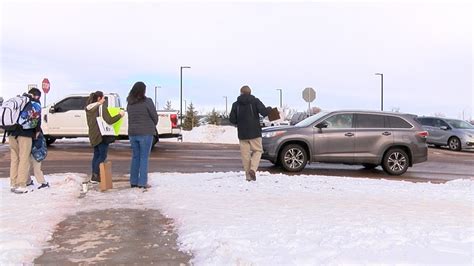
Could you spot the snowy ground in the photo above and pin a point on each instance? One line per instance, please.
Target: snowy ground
(210, 134)
(280, 219)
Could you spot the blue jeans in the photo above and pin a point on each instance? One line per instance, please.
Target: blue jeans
(100, 155)
(141, 147)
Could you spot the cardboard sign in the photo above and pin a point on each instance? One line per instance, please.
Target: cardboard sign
(274, 114)
(113, 111)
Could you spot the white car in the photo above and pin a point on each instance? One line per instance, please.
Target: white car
(67, 119)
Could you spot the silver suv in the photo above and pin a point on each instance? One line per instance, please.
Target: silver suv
(395, 141)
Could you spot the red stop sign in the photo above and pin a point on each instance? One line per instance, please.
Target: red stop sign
(45, 85)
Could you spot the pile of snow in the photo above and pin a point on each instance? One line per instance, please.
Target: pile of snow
(211, 134)
(280, 219)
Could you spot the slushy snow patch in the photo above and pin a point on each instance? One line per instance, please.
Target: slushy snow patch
(210, 134)
(277, 220)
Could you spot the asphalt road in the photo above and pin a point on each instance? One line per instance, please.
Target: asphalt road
(442, 164)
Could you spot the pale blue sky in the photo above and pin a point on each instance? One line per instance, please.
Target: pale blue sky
(423, 49)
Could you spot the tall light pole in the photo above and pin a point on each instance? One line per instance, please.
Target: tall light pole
(381, 90)
(181, 93)
(281, 91)
(225, 105)
(156, 93)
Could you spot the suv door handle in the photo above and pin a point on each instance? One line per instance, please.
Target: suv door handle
(349, 134)
(386, 133)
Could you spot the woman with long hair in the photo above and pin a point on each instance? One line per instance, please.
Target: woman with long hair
(100, 143)
(142, 121)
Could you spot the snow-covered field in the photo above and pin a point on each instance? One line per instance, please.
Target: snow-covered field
(202, 134)
(278, 220)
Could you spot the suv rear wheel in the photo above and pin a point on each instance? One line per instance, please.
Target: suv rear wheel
(395, 162)
(293, 158)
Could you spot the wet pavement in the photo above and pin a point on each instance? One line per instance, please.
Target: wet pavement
(442, 165)
(112, 237)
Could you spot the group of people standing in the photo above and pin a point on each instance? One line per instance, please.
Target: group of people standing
(142, 121)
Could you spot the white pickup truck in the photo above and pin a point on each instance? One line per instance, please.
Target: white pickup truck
(67, 119)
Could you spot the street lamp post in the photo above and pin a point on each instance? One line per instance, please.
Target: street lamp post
(381, 90)
(225, 105)
(156, 93)
(181, 93)
(281, 91)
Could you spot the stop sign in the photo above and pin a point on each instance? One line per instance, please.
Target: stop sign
(309, 95)
(45, 85)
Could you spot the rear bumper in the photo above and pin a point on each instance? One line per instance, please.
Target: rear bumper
(421, 155)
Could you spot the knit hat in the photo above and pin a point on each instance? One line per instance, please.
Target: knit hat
(35, 92)
(245, 90)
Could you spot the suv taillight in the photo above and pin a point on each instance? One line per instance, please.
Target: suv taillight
(174, 120)
(422, 134)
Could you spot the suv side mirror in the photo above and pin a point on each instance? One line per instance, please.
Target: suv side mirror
(444, 127)
(52, 110)
(321, 125)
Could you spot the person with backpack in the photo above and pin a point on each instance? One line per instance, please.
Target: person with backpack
(142, 121)
(96, 107)
(245, 114)
(20, 137)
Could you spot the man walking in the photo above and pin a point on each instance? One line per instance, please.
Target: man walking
(245, 114)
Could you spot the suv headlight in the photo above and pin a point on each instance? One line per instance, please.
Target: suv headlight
(272, 134)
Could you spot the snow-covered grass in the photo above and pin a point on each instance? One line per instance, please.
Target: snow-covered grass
(278, 220)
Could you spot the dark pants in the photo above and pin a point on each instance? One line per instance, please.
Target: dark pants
(100, 155)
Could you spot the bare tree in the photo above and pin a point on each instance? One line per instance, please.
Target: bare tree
(287, 112)
(439, 114)
(396, 109)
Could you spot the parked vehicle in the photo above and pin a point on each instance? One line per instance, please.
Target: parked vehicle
(454, 133)
(67, 119)
(392, 140)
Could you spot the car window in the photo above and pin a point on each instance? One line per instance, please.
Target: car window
(397, 122)
(370, 121)
(340, 121)
(440, 123)
(425, 121)
(310, 120)
(460, 124)
(72, 103)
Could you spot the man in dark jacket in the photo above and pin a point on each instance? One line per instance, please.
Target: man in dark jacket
(245, 114)
(20, 141)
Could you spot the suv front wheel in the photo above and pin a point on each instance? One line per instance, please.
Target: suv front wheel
(293, 158)
(395, 162)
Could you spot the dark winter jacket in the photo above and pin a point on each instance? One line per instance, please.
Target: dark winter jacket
(142, 118)
(92, 112)
(245, 114)
(30, 133)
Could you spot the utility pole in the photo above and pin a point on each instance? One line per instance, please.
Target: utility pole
(381, 90)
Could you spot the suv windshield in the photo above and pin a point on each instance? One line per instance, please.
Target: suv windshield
(459, 124)
(310, 120)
